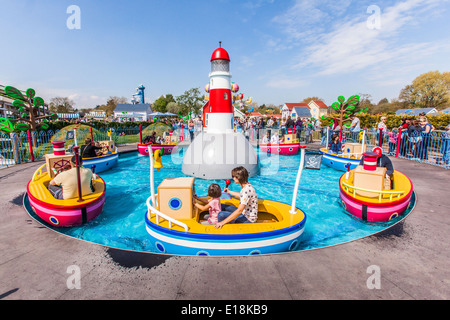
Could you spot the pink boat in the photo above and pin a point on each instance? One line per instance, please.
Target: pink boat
(382, 208)
(64, 213)
(143, 148)
(287, 149)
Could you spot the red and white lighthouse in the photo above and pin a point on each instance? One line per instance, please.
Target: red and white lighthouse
(213, 154)
(219, 117)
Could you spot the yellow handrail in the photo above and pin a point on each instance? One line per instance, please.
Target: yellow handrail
(380, 193)
(38, 172)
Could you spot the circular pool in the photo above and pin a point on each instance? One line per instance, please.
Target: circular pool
(122, 223)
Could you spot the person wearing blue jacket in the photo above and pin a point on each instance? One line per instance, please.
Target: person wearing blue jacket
(336, 145)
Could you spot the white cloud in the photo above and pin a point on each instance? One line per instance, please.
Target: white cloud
(350, 45)
(283, 83)
(306, 18)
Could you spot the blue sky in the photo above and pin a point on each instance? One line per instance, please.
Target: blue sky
(281, 50)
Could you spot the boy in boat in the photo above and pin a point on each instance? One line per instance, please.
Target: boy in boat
(150, 139)
(247, 212)
(65, 185)
(383, 161)
(266, 138)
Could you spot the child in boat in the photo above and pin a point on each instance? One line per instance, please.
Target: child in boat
(247, 212)
(336, 145)
(266, 138)
(213, 204)
(275, 139)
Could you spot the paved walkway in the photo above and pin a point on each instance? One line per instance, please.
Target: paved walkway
(412, 258)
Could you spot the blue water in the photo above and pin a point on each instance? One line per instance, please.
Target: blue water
(122, 224)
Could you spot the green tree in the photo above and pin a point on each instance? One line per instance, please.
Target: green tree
(161, 103)
(61, 105)
(173, 107)
(383, 101)
(190, 101)
(111, 104)
(429, 90)
(309, 99)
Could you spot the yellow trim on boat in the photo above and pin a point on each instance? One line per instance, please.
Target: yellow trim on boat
(38, 187)
(272, 215)
(343, 155)
(402, 187)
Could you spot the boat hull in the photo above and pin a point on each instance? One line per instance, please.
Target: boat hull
(101, 163)
(143, 148)
(61, 215)
(338, 163)
(277, 230)
(287, 149)
(184, 243)
(373, 213)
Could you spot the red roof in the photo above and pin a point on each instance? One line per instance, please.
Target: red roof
(220, 54)
(292, 105)
(320, 104)
(274, 115)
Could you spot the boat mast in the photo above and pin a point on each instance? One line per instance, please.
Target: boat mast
(297, 182)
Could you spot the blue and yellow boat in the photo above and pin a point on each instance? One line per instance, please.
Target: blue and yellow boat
(174, 224)
(106, 160)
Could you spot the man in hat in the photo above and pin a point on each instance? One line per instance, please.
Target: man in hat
(383, 161)
(65, 185)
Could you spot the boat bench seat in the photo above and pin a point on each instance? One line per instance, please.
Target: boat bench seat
(263, 217)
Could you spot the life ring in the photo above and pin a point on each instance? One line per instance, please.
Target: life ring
(160, 247)
(344, 205)
(175, 203)
(293, 245)
(54, 220)
(393, 216)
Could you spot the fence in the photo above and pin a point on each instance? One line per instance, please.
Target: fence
(29, 146)
(432, 148)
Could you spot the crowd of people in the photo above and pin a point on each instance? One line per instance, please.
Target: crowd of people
(272, 125)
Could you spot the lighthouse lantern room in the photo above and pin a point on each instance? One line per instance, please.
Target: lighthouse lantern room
(220, 117)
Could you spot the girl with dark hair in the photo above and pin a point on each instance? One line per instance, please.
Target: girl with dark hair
(213, 204)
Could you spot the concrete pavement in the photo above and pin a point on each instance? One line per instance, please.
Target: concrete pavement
(412, 258)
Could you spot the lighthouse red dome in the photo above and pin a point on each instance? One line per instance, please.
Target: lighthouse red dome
(220, 54)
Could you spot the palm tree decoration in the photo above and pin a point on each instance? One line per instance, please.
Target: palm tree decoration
(26, 107)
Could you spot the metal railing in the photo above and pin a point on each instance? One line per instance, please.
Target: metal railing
(152, 210)
(29, 146)
(380, 193)
(432, 148)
